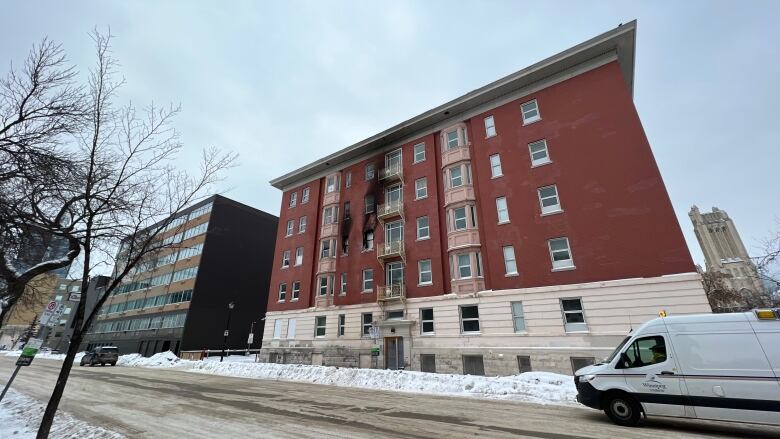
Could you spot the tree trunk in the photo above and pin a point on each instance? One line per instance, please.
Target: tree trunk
(13, 297)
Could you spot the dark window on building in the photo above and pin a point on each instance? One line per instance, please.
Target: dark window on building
(473, 365)
(580, 362)
(428, 363)
(524, 363)
(469, 318)
(426, 319)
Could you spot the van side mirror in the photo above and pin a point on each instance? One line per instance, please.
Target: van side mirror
(623, 361)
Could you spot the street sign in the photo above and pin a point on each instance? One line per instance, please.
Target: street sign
(251, 338)
(52, 313)
(375, 351)
(74, 297)
(227, 332)
(29, 351)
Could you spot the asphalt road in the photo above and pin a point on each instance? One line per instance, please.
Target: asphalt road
(154, 403)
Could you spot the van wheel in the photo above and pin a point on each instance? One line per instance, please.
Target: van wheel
(622, 409)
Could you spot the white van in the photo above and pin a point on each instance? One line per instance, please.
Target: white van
(706, 366)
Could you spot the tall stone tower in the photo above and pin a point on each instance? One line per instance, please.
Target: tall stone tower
(723, 249)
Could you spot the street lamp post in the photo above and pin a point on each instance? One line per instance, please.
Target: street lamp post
(231, 305)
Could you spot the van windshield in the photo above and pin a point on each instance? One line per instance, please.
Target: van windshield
(617, 349)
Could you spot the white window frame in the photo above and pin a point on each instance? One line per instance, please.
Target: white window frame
(565, 264)
(366, 279)
(331, 248)
(448, 141)
(342, 325)
(282, 292)
(318, 326)
(293, 199)
(343, 286)
(575, 326)
(290, 228)
(542, 161)
(366, 204)
(427, 228)
(553, 208)
(469, 319)
(510, 261)
(455, 219)
(326, 286)
(298, 256)
(502, 210)
(495, 166)
(330, 215)
(459, 266)
(305, 195)
(277, 329)
(490, 127)
(419, 149)
(424, 321)
(286, 259)
(331, 183)
(296, 291)
(518, 317)
(532, 118)
(451, 178)
(418, 188)
(420, 272)
(302, 224)
(291, 326)
(364, 332)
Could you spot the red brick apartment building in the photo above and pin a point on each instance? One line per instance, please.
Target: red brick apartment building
(522, 226)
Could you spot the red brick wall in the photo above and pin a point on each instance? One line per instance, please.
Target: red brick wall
(617, 213)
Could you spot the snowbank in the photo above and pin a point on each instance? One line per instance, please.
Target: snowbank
(536, 387)
(44, 355)
(20, 417)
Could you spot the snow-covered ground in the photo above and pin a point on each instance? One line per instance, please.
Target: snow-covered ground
(535, 387)
(21, 415)
(43, 355)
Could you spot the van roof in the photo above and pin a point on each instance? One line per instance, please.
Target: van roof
(748, 316)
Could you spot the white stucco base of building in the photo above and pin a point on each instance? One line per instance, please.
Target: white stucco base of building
(610, 310)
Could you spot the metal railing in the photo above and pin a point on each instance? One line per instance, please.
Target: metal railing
(390, 249)
(391, 292)
(391, 172)
(387, 210)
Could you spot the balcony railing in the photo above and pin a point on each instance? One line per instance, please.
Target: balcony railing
(389, 210)
(391, 292)
(394, 172)
(390, 250)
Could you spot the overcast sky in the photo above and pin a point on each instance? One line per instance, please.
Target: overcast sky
(283, 83)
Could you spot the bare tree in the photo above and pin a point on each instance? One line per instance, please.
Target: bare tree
(129, 192)
(768, 264)
(40, 107)
(721, 297)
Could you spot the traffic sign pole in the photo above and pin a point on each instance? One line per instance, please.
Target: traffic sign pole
(8, 384)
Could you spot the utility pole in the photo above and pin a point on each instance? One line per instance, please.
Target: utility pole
(251, 338)
(231, 305)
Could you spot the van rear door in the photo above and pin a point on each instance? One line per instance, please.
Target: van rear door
(726, 371)
(651, 374)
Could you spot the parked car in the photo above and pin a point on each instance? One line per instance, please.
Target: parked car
(706, 366)
(102, 356)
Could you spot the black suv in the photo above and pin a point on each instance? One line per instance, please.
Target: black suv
(102, 356)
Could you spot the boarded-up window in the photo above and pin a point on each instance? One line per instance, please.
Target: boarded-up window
(524, 363)
(473, 365)
(428, 363)
(580, 362)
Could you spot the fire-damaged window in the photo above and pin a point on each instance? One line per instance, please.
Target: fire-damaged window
(370, 204)
(368, 240)
(346, 225)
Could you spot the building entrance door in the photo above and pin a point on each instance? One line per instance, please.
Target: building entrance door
(394, 353)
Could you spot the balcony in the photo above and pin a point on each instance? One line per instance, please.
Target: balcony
(389, 250)
(391, 173)
(388, 293)
(390, 210)
(454, 155)
(458, 194)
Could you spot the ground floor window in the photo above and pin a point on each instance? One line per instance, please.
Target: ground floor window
(428, 363)
(473, 365)
(580, 362)
(524, 363)
(319, 326)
